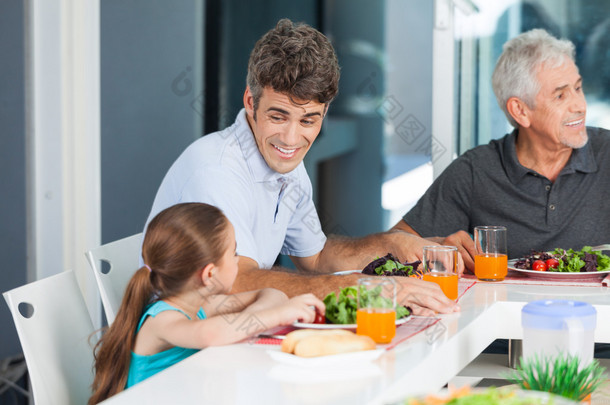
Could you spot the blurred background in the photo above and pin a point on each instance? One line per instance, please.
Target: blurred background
(98, 98)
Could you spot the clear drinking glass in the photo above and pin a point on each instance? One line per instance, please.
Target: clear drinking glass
(440, 267)
(490, 260)
(376, 316)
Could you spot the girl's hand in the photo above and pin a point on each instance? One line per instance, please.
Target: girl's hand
(302, 308)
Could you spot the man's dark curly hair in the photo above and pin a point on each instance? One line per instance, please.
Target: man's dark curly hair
(294, 59)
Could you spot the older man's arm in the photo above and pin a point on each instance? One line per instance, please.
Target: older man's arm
(460, 239)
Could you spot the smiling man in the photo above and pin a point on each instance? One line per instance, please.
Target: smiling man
(547, 181)
(285, 129)
(253, 171)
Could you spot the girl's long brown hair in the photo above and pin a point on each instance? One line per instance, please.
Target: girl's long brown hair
(179, 241)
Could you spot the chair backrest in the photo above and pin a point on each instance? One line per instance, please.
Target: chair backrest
(123, 256)
(55, 329)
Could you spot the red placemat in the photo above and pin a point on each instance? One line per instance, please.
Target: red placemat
(429, 324)
(268, 341)
(403, 332)
(278, 330)
(411, 328)
(464, 285)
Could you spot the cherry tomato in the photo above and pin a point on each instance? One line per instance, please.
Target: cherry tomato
(539, 265)
(320, 318)
(552, 263)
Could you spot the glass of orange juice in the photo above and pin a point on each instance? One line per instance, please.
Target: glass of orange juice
(376, 316)
(490, 260)
(440, 267)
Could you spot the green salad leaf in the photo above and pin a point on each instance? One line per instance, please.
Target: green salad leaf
(342, 309)
(585, 259)
(389, 265)
(570, 262)
(603, 261)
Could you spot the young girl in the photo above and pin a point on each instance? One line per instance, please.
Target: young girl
(178, 302)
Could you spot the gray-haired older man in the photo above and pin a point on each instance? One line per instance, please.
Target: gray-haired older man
(547, 181)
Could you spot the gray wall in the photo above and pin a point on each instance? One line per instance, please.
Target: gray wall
(151, 93)
(12, 165)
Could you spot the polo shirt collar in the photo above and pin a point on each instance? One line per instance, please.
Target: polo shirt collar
(581, 160)
(516, 171)
(261, 172)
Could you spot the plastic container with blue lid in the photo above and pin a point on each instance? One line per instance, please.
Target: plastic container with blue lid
(551, 327)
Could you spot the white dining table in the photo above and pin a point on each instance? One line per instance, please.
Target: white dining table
(245, 373)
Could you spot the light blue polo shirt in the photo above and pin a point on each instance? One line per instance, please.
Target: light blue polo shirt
(272, 213)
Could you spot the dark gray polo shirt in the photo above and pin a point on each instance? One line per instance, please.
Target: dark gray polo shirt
(488, 186)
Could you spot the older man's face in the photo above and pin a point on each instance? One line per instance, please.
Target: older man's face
(559, 115)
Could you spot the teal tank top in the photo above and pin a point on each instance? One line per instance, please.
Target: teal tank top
(142, 367)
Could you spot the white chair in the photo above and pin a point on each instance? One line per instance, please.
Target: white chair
(55, 331)
(123, 256)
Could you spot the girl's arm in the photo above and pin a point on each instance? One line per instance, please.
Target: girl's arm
(267, 298)
(250, 301)
(174, 329)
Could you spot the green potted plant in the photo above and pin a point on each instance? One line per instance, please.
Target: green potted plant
(561, 374)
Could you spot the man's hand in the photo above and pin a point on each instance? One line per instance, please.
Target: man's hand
(411, 247)
(424, 298)
(459, 239)
(465, 245)
(406, 246)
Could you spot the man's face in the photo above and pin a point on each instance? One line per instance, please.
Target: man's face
(284, 131)
(560, 110)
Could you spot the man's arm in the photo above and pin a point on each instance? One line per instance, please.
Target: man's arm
(422, 297)
(251, 277)
(343, 253)
(460, 239)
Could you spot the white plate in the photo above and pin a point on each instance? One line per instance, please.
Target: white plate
(555, 275)
(341, 359)
(346, 272)
(304, 325)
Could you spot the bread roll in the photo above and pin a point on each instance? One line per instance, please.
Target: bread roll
(289, 343)
(313, 343)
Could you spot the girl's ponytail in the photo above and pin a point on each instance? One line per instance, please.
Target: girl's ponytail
(113, 351)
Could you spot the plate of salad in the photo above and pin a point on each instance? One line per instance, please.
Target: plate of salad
(388, 265)
(341, 311)
(561, 264)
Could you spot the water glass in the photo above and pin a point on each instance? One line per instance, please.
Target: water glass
(440, 267)
(490, 260)
(376, 316)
